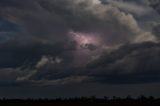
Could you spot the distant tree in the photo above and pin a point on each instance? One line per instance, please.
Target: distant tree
(129, 97)
(151, 98)
(93, 97)
(142, 98)
(116, 98)
(106, 98)
(83, 98)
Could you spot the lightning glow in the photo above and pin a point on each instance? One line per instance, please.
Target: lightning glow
(85, 38)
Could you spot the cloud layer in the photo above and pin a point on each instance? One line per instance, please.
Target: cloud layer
(112, 45)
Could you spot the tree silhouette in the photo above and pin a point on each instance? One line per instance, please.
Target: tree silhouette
(85, 100)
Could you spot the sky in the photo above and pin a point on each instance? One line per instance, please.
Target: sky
(68, 48)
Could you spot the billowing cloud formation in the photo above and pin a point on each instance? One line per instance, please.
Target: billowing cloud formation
(48, 42)
(129, 63)
(156, 5)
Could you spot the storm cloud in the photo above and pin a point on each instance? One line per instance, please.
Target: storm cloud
(130, 63)
(37, 47)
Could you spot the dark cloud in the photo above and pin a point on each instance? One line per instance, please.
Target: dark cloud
(96, 20)
(155, 4)
(14, 54)
(156, 31)
(34, 22)
(133, 63)
(49, 21)
(89, 46)
(36, 47)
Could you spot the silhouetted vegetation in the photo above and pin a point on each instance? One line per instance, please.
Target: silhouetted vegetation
(78, 101)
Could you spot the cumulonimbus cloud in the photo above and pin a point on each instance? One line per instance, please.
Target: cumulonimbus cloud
(39, 48)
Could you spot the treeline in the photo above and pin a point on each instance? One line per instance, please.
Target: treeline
(83, 99)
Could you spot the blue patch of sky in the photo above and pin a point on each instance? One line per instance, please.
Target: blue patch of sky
(7, 30)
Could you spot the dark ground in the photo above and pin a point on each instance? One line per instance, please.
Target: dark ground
(82, 102)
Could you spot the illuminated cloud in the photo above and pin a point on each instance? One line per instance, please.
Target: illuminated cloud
(57, 41)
